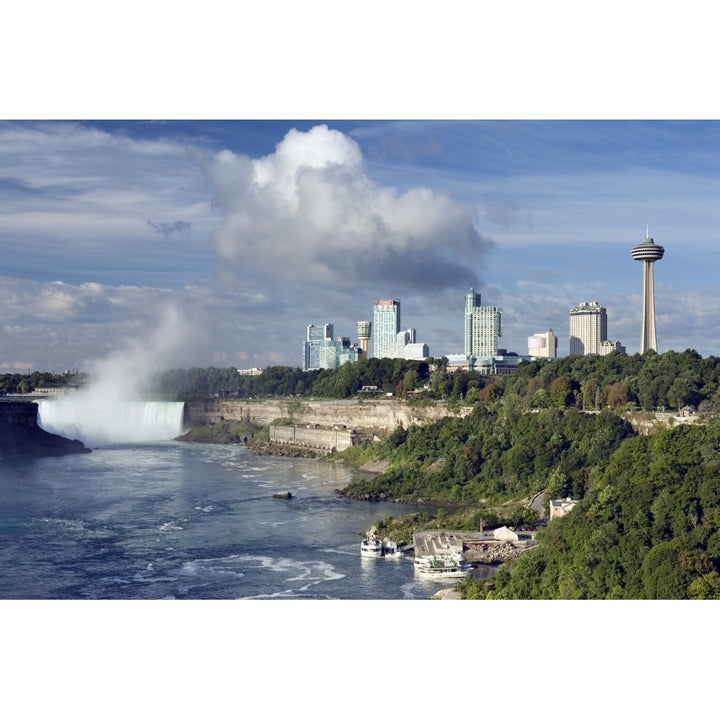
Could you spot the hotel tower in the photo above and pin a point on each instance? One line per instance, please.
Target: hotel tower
(588, 328)
(483, 327)
(385, 326)
(648, 252)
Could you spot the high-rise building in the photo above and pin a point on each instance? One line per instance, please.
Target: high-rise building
(588, 328)
(648, 252)
(337, 352)
(406, 347)
(609, 346)
(385, 326)
(543, 345)
(483, 327)
(310, 353)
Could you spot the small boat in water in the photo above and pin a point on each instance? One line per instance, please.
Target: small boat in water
(391, 549)
(371, 546)
(453, 565)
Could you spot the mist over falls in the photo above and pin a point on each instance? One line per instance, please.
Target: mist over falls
(96, 423)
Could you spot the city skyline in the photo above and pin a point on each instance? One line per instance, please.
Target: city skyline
(214, 242)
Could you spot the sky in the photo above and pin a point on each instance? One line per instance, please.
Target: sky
(194, 192)
(216, 242)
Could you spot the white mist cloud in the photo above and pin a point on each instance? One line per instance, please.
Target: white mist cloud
(309, 212)
(126, 373)
(113, 407)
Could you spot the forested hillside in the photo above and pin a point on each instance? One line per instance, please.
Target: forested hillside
(492, 456)
(396, 376)
(648, 527)
(649, 382)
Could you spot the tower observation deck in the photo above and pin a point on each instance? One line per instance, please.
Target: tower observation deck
(648, 252)
(364, 328)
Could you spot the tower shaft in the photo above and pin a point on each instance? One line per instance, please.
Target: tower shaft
(648, 336)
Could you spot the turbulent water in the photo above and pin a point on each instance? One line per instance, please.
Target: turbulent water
(181, 520)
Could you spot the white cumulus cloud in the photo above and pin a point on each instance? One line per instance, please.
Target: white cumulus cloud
(309, 212)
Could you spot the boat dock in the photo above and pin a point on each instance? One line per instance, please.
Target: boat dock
(483, 547)
(436, 543)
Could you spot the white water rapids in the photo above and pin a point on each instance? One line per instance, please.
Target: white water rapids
(96, 423)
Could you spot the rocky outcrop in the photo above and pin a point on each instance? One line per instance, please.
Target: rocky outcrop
(493, 553)
(278, 450)
(447, 594)
(22, 438)
(375, 466)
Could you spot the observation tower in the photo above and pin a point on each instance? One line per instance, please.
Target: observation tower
(363, 332)
(648, 252)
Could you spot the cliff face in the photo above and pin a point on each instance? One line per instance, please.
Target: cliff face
(21, 437)
(376, 415)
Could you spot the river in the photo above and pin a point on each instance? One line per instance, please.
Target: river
(174, 520)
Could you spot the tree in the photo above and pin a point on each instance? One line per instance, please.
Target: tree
(410, 378)
(705, 587)
(616, 395)
(562, 391)
(680, 393)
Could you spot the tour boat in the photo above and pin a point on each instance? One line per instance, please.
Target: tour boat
(371, 546)
(443, 566)
(391, 549)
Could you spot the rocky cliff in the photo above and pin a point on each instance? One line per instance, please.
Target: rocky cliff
(21, 437)
(372, 415)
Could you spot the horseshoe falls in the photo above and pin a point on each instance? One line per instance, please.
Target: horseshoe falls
(96, 423)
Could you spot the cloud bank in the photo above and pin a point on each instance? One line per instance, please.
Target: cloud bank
(309, 212)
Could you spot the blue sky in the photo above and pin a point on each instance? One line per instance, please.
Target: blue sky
(246, 231)
(215, 242)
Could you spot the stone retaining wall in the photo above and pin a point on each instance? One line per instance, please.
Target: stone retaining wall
(311, 437)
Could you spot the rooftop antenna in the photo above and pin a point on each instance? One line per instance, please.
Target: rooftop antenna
(647, 230)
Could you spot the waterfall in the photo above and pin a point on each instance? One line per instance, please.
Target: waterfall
(96, 423)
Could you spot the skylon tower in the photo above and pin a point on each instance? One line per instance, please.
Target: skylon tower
(648, 252)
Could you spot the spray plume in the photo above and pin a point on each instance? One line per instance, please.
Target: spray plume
(113, 407)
